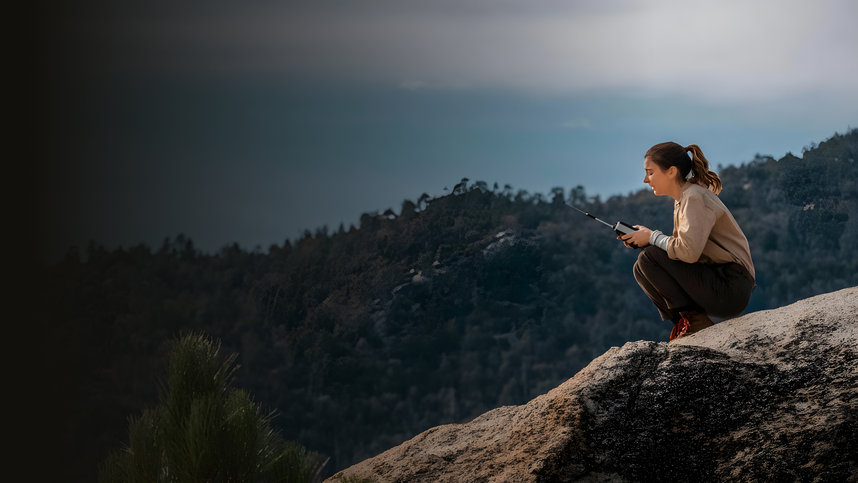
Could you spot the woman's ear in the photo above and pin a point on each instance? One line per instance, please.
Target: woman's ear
(673, 172)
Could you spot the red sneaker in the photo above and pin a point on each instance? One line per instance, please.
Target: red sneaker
(680, 328)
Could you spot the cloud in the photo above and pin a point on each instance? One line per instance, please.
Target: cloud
(421, 85)
(729, 50)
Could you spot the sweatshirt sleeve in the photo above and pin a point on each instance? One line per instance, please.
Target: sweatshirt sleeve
(658, 239)
(695, 221)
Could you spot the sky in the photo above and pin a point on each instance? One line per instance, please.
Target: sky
(251, 122)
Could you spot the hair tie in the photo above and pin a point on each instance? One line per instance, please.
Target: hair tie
(690, 160)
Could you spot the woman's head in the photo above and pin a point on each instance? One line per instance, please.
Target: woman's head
(695, 168)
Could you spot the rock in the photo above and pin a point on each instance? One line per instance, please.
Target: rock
(505, 240)
(772, 395)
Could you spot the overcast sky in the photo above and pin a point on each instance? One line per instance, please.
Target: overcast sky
(249, 122)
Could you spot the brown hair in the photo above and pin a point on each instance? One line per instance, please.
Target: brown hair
(670, 154)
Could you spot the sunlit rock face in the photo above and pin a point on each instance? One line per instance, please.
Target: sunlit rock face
(772, 395)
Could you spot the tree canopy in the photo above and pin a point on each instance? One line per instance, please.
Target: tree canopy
(362, 338)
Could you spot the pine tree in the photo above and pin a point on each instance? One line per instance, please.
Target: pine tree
(206, 430)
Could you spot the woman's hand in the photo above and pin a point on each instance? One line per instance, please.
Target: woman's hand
(638, 239)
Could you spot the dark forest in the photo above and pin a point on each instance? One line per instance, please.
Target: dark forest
(361, 337)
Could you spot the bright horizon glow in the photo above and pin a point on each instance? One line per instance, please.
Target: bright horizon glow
(728, 51)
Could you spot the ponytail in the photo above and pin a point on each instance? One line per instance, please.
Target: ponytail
(694, 169)
(700, 170)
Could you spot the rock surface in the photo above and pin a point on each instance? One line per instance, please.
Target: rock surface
(772, 395)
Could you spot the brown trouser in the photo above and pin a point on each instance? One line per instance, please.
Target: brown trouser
(719, 289)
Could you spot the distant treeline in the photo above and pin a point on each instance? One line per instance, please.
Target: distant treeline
(363, 337)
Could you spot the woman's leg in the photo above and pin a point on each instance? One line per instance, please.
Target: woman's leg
(722, 290)
(642, 275)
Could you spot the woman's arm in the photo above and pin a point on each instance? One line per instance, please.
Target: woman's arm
(696, 219)
(659, 239)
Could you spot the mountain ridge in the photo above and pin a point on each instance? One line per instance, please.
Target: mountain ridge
(362, 338)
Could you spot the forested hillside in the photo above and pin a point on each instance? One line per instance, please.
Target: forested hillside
(363, 337)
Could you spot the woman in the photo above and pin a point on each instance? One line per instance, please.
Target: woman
(705, 266)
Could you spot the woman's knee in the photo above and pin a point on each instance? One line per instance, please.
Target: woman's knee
(648, 257)
(643, 264)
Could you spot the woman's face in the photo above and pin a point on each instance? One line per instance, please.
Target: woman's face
(662, 182)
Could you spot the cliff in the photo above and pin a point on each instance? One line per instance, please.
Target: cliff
(772, 395)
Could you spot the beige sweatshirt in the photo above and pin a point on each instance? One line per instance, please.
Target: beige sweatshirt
(705, 231)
